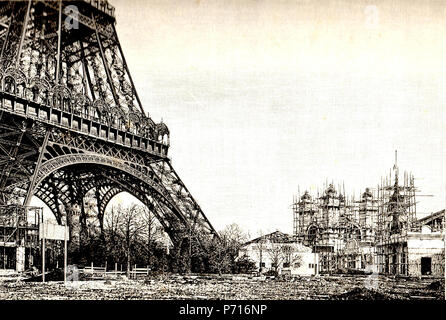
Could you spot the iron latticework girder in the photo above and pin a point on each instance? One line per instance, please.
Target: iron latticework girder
(111, 181)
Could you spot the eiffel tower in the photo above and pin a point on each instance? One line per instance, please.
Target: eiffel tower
(71, 120)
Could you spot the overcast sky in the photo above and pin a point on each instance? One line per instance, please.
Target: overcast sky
(264, 96)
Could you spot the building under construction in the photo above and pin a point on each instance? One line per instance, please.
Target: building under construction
(19, 237)
(379, 232)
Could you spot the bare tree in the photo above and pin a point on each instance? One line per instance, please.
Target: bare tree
(112, 222)
(111, 235)
(131, 227)
(260, 247)
(219, 259)
(124, 227)
(276, 255)
(233, 237)
(152, 231)
(291, 256)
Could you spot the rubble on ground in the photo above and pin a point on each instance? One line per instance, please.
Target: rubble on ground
(174, 286)
(363, 294)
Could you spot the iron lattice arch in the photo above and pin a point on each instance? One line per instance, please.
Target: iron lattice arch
(71, 120)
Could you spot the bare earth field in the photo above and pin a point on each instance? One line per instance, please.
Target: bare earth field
(229, 287)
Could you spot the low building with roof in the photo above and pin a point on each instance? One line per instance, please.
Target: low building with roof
(280, 254)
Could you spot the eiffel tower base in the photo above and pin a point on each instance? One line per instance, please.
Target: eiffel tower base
(71, 122)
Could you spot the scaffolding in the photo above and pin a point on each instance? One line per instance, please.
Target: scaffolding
(370, 234)
(325, 223)
(396, 219)
(19, 236)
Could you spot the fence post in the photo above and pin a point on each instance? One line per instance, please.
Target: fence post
(92, 267)
(116, 267)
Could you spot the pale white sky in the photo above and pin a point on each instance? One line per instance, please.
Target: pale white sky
(264, 96)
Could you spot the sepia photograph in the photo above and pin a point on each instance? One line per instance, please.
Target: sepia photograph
(222, 150)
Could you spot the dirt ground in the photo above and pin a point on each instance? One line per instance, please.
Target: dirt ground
(228, 287)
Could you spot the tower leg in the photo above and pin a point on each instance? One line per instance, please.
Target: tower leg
(73, 213)
(20, 258)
